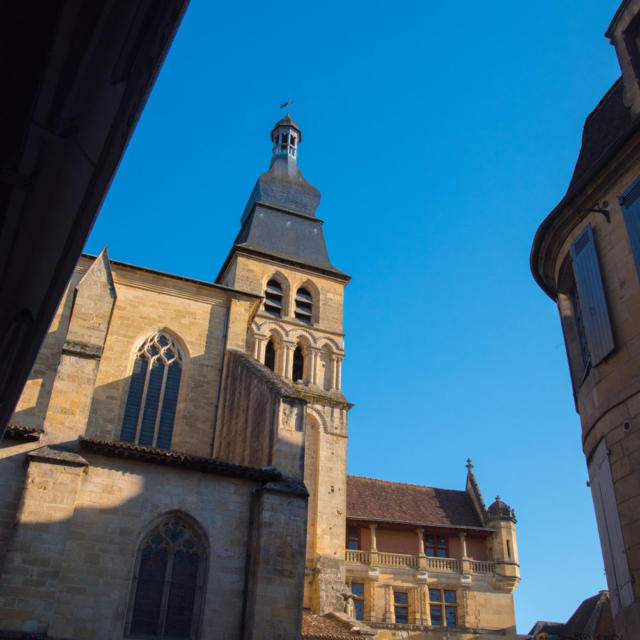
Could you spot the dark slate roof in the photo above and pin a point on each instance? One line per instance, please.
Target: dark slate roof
(384, 501)
(287, 121)
(501, 510)
(605, 125)
(279, 219)
(606, 129)
(329, 627)
(592, 619)
(585, 619)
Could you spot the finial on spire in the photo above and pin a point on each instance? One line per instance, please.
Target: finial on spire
(287, 103)
(498, 499)
(469, 465)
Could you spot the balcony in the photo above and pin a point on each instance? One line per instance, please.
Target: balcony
(406, 561)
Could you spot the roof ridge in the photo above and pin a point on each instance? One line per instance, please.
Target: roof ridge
(406, 484)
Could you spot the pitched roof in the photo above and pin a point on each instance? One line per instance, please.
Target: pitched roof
(591, 619)
(332, 627)
(605, 125)
(381, 500)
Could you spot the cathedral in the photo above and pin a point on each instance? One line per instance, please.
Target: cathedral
(176, 464)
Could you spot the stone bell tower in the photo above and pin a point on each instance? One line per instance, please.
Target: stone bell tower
(280, 254)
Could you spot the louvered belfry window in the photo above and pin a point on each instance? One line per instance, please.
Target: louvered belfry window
(273, 298)
(168, 583)
(153, 393)
(595, 314)
(304, 305)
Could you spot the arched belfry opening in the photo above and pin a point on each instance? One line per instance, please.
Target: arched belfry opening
(298, 364)
(270, 355)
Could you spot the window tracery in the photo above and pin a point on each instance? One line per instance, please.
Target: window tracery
(168, 583)
(152, 401)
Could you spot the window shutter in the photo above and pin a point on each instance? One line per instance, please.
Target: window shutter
(613, 549)
(630, 201)
(592, 300)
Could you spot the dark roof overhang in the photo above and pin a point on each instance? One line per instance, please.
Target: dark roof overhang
(561, 216)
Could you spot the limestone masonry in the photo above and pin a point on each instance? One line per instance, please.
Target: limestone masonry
(176, 465)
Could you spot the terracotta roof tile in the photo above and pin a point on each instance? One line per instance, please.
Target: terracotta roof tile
(381, 500)
(328, 627)
(20, 432)
(177, 459)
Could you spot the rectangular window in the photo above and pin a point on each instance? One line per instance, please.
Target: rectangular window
(436, 546)
(357, 588)
(353, 538)
(401, 606)
(443, 605)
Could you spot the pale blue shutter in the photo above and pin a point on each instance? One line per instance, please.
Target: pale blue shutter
(614, 554)
(595, 314)
(630, 202)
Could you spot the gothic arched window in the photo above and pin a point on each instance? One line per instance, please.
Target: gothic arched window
(153, 393)
(304, 305)
(270, 356)
(273, 298)
(168, 583)
(298, 364)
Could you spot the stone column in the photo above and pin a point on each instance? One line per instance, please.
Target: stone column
(314, 354)
(389, 613)
(422, 557)
(373, 554)
(288, 347)
(465, 562)
(259, 346)
(338, 379)
(332, 376)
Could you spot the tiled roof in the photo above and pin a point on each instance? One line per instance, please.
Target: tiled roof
(380, 500)
(20, 432)
(176, 459)
(329, 627)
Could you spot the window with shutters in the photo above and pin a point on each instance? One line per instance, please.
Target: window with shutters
(630, 202)
(152, 401)
(357, 589)
(591, 297)
(168, 583)
(304, 305)
(436, 546)
(273, 298)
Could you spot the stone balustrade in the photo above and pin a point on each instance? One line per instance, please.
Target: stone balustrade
(407, 561)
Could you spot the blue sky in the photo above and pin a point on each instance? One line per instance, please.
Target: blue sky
(440, 138)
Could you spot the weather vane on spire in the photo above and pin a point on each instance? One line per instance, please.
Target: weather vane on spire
(287, 103)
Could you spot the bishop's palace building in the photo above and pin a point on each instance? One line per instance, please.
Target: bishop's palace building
(176, 465)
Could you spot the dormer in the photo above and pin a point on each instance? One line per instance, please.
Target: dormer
(624, 35)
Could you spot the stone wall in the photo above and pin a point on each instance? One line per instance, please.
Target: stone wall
(71, 559)
(260, 418)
